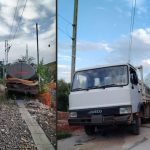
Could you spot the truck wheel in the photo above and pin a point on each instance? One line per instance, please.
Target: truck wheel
(136, 126)
(89, 130)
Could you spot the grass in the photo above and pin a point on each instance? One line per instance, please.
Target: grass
(2, 97)
(63, 135)
(5, 99)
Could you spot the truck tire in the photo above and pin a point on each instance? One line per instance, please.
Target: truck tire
(136, 126)
(89, 130)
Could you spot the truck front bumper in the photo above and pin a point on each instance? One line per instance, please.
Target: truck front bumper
(101, 120)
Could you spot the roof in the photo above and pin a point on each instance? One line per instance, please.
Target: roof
(107, 65)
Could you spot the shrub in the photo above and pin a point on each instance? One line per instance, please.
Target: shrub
(63, 90)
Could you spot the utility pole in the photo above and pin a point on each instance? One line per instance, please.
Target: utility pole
(37, 38)
(3, 70)
(5, 52)
(7, 48)
(27, 57)
(74, 36)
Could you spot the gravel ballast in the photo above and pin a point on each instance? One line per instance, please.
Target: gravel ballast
(14, 133)
(45, 117)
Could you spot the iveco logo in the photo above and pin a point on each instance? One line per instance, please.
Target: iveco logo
(98, 111)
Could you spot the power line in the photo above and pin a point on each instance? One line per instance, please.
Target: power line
(64, 32)
(64, 19)
(131, 27)
(18, 26)
(11, 29)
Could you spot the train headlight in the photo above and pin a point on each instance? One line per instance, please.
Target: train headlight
(73, 115)
(125, 110)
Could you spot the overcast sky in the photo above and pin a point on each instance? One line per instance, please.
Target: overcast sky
(41, 11)
(103, 34)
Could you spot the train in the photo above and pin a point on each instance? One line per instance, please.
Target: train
(22, 77)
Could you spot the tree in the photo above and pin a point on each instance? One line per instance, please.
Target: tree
(63, 90)
(45, 77)
(52, 70)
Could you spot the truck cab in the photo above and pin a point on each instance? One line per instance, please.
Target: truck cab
(106, 95)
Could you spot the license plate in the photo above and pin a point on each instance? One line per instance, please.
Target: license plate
(96, 119)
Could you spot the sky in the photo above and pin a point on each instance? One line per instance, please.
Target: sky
(41, 12)
(103, 34)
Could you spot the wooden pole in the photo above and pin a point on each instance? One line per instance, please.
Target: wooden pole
(37, 39)
(74, 36)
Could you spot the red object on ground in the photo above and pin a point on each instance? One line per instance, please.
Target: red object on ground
(62, 122)
(62, 115)
(46, 98)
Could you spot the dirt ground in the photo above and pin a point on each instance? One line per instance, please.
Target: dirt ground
(115, 139)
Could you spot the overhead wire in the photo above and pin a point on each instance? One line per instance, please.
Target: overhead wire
(20, 19)
(131, 28)
(64, 32)
(15, 13)
(66, 20)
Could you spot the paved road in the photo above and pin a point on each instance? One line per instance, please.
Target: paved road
(114, 140)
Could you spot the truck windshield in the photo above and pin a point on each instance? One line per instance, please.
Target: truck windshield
(100, 78)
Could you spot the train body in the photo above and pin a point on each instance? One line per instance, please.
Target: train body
(21, 77)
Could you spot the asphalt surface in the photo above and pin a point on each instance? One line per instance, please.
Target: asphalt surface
(114, 139)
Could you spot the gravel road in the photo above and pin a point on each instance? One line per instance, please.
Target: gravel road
(45, 117)
(14, 133)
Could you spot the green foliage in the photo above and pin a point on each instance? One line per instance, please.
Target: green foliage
(62, 135)
(44, 88)
(52, 69)
(42, 70)
(63, 91)
(2, 97)
(2, 81)
(45, 77)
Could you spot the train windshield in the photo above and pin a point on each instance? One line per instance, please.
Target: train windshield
(100, 78)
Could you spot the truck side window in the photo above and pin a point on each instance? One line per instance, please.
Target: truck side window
(80, 81)
(133, 77)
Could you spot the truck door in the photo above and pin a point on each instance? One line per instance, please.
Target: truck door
(135, 91)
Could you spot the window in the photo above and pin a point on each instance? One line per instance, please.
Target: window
(133, 77)
(100, 77)
(80, 82)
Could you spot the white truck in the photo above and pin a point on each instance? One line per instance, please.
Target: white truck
(109, 95)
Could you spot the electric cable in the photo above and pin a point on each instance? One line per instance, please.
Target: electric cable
(11, 29)
(131, 28)
(18, 26)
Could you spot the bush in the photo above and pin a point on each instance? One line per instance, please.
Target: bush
(63, 90)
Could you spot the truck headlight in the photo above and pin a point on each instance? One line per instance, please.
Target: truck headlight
(125, 110)
(73, 115)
